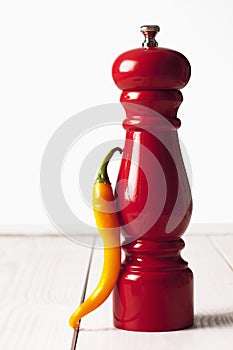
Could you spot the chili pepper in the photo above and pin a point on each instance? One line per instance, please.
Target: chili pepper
(108, 225)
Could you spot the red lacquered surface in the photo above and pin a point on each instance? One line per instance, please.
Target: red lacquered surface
(154, 291)
(153, 67)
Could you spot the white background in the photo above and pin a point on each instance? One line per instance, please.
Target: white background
(56, 59)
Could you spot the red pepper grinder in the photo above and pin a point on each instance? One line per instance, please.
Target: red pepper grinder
(154, 291)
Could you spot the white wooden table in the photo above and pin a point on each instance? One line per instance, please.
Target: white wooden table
(41, 279)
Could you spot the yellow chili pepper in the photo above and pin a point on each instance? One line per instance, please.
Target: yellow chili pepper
(108, 225)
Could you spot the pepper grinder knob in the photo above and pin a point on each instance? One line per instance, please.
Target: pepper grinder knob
(149, 32)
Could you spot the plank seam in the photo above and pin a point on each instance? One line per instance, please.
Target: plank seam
(218, 250)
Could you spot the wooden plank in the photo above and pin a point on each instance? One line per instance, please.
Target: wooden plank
(192, 339)
(224, 245)
(42, 270)
(41, 283)
(213, 279)
(208, 266)
(25, 326)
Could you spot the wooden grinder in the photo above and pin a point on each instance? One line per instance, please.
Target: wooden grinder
(154, 291)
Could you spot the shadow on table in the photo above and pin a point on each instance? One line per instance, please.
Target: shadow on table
(214, 320)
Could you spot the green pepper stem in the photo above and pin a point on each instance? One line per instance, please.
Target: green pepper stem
(102, 175)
